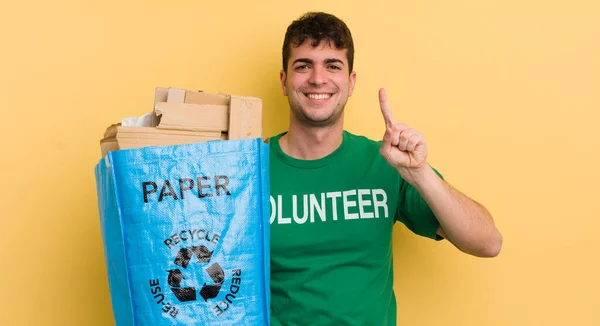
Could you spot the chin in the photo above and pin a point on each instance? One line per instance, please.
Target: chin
(314, 116)
(321, 121)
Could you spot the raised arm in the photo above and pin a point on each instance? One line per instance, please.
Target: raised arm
(464, 222)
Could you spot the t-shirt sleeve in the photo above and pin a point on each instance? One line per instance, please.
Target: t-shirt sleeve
(414, 212)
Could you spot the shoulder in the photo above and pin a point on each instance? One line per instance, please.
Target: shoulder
(274, 138)
(361, 142)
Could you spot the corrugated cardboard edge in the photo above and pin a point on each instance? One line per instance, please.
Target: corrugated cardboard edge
(176, 95)
(197, 97)
(161, 94)
(245, 117)
(135, 137)
(185, 116)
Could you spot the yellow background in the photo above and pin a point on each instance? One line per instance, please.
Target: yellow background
(506, 92)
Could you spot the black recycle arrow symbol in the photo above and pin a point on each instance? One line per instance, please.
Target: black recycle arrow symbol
(215, 272)
(182, 294)
(185, 255)
(211, 291)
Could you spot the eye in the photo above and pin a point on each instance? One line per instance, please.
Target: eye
(302, 67)
(335, 67)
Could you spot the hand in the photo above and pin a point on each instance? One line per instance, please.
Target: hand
(403, 148)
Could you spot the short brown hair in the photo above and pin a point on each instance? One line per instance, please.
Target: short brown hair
(318, 26)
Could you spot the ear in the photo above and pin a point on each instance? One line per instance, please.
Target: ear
(352, 83)
(283, 78)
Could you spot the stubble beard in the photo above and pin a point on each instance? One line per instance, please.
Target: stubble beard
(305, 119)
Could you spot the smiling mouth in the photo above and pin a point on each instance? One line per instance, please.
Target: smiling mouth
(315, 96)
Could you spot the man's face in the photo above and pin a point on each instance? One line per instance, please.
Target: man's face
(317, 83)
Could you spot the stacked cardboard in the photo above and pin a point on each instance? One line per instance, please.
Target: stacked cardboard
(183, 116)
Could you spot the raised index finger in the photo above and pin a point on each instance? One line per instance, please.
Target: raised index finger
(386, 111)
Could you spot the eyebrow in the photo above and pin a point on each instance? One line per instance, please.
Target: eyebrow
(333, 60)
(328, 60)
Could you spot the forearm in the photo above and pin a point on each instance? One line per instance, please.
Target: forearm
(464, 222)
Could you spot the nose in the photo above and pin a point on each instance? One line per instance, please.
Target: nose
(317, 77)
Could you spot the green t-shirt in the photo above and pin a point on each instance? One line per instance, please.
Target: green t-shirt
(331, 235)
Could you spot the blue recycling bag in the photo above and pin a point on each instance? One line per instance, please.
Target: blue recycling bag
(186, 233)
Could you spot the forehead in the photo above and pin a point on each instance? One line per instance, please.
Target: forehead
(325, 50)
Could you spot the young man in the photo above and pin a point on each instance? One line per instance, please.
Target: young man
(335, 196)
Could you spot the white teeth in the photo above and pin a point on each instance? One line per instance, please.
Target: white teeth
(318, 96)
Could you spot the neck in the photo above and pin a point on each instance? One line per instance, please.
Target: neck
(311, 143)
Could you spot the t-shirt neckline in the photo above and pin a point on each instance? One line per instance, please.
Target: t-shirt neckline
(307, 164)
